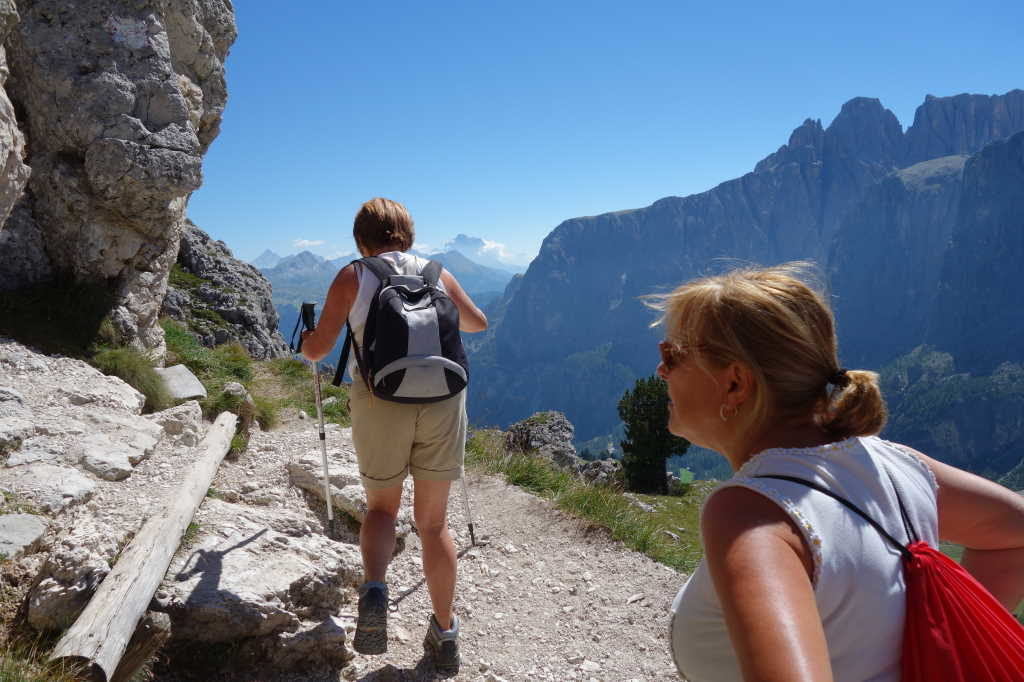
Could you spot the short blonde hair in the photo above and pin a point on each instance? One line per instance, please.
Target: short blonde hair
(383, 224)
(782, 329)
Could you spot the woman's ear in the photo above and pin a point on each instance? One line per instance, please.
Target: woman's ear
(740, 385)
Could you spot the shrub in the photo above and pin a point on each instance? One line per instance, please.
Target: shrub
(648, 443)
(136, 370)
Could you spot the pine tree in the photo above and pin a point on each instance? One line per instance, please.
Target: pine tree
(644, 411)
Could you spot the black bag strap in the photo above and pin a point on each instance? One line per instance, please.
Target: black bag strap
(339, 374)
(291, 344)
(378, 266)
(431, 274)
(852, 507)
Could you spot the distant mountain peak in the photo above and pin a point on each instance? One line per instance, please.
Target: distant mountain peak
(267, 259)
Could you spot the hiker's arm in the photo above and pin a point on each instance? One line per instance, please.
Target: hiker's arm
(988, 520)
(760, 568)
(318, 343)
(471, 318)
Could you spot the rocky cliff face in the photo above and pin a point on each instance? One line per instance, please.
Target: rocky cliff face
(978, 316)
(231, 300)
(886, 260)
(575, 334)
(119, 101)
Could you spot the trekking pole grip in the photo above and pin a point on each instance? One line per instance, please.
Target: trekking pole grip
(309, 316)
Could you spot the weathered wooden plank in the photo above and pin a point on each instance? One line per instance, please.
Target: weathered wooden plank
(99, 637)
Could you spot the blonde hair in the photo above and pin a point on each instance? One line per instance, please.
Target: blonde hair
(383, 224)
(782, 329)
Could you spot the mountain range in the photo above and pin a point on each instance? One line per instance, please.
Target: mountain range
(306, 277)
(918, 235)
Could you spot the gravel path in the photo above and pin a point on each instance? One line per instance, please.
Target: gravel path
(544, 596)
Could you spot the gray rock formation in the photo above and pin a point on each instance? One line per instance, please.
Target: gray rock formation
(19, 534)
(14, 173)
(266, 582)
(548, 434)
(963, 124)
(575, 334)
(121, 100)
(231, 300)
(978, 316)
(886, 260)
(181, 383)
(603, 472)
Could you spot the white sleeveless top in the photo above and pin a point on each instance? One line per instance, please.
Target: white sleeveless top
(406, 263)
(858, 575)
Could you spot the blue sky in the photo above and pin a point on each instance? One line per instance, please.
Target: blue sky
(499, 119)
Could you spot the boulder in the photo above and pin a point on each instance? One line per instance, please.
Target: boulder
(119, 102)
(181, 383)
(183, 424)
(79, 561)
(102, 457)
(253, 573)
(14, 173)
(549, 434)
(602, 472)
(347, 496)
(49, 486)
(19, 534)
(230, 300)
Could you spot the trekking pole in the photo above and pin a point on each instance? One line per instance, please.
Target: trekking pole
(469, 514)
(309, 321)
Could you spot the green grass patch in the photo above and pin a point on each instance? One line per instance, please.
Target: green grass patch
(669, 535)
(295, 380)
(63, 315)
(190, 535)
(29, 664)
(137, 371)
(211, 316)
(180, 278)
(10, 503)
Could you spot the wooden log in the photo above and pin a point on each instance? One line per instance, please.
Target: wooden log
(98, 639)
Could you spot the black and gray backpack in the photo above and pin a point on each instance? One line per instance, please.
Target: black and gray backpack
(412, 351)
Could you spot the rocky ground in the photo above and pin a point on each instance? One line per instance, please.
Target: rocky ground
(545, 596)
(263, 587)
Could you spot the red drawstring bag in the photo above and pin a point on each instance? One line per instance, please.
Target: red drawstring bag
(955, 630)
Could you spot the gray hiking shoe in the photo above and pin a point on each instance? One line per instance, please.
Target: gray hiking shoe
(372, 620)
(443, 646)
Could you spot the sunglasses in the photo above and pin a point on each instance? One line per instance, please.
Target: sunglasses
(673, 354)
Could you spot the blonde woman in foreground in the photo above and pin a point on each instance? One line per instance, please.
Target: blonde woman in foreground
(792, 585)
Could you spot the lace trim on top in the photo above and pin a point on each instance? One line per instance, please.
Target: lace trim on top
(826, 450)
(810, 534)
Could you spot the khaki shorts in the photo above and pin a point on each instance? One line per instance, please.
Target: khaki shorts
(395, 439)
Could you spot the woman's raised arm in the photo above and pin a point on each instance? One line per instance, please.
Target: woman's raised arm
(340, 297)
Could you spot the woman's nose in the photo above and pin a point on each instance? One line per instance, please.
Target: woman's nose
(662, 371)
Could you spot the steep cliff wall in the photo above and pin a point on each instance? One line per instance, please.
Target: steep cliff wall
(978, 315)
(578, 305)
(119, 101)
(885, 263)
(224, 299)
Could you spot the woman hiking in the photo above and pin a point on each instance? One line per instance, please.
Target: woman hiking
(394, 439)
(793, 586)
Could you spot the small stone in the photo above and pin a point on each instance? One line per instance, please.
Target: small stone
(590, 667)
(635, 598)
(303, 415)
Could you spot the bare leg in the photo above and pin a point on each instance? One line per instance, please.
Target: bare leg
(377, 534)
(430, 508)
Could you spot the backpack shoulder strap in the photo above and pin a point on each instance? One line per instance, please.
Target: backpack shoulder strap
(378, 266)
(849, 505)
(431, 274)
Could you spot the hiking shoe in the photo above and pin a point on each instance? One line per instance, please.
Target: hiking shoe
(372, 621)
(443, 646)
